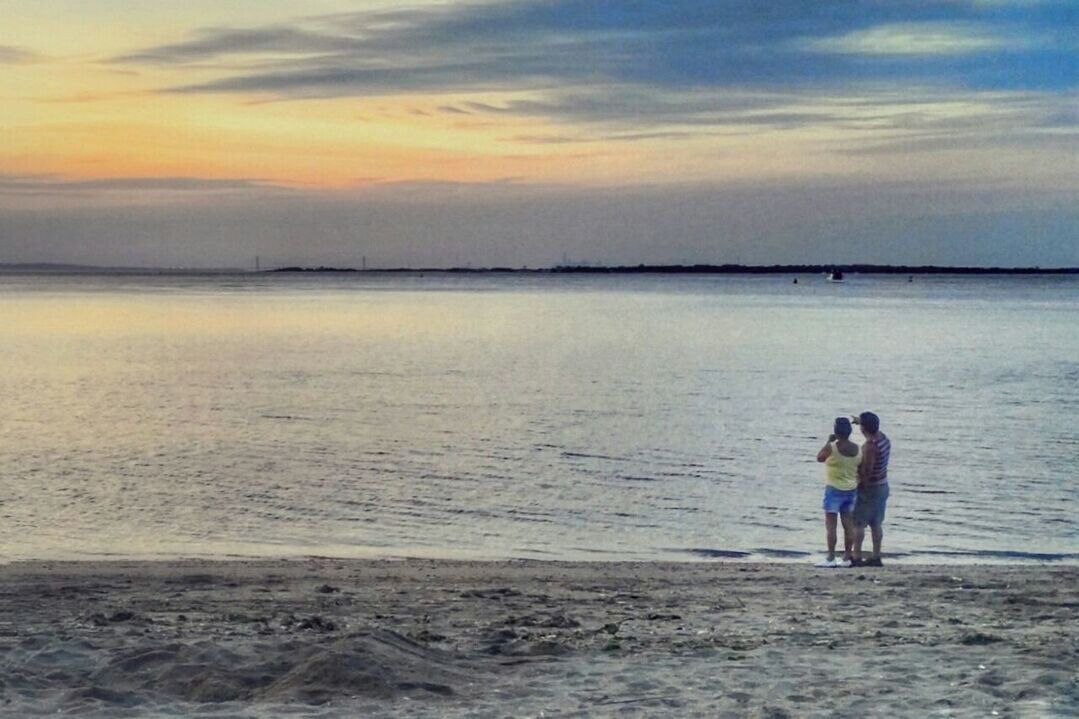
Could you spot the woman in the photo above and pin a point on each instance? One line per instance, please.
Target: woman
(841, 458)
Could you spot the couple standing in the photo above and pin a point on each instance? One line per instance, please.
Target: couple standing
(856, 492)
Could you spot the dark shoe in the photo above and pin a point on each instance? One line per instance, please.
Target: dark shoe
(872, 562)
(857, 563)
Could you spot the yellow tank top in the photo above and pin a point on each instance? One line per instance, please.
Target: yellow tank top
(841, 471)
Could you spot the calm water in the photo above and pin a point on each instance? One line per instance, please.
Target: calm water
(545, 417)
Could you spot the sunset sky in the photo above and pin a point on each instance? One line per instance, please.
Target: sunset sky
(202, 133)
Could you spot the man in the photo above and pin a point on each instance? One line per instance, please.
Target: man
(872, 489)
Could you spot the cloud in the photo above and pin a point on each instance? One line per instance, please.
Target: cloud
(56, 185)
(630, 72)
(638, 106)
(510, 224)
(952, 142)
(610, 137)
(872, 122)
(210, 44)
(12, 55)
(921, 39)
(541, 45)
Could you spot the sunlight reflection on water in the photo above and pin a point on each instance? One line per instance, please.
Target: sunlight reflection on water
(526, 416)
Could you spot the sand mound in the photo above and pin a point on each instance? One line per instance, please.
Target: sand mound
(376, 664)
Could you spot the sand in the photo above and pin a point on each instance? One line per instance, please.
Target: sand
(333, 638)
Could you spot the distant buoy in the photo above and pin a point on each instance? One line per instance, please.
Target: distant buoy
(795, 280)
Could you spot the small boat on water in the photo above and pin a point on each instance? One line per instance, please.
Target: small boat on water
(835, 276)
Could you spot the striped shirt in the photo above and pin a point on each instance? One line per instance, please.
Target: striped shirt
(880, 466)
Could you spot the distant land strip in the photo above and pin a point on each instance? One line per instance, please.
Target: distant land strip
(702, 269)
(719, 269)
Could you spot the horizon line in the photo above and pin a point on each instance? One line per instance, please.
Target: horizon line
(641, 268)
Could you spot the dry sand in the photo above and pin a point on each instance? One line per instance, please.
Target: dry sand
(322, 638)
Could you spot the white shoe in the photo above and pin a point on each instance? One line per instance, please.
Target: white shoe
(827, 564)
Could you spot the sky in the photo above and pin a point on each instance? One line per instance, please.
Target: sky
(525, 132)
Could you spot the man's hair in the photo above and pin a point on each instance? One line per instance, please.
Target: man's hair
(869, 421)
(842, 427)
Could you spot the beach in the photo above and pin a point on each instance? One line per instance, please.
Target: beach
(324, 637)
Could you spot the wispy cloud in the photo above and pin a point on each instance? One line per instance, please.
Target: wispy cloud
(922, 39)
(637, 71)
(86, 97)
(213, 43)
(12, 55)
(544, 44)
(54, 184)
(628, 72)
(635, 106)
(879, 116)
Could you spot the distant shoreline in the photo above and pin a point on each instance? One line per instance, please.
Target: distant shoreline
(696, 269)
(702, 269)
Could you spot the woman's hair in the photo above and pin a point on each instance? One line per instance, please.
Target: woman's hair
(842, 427)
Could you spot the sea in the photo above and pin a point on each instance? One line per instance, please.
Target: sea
(529, 415)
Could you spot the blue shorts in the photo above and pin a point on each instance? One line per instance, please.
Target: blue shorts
(837, 501)
(872, 501)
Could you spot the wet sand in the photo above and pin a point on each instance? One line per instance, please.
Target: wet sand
(333, 638)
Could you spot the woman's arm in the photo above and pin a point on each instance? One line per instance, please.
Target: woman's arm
(826, 451)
